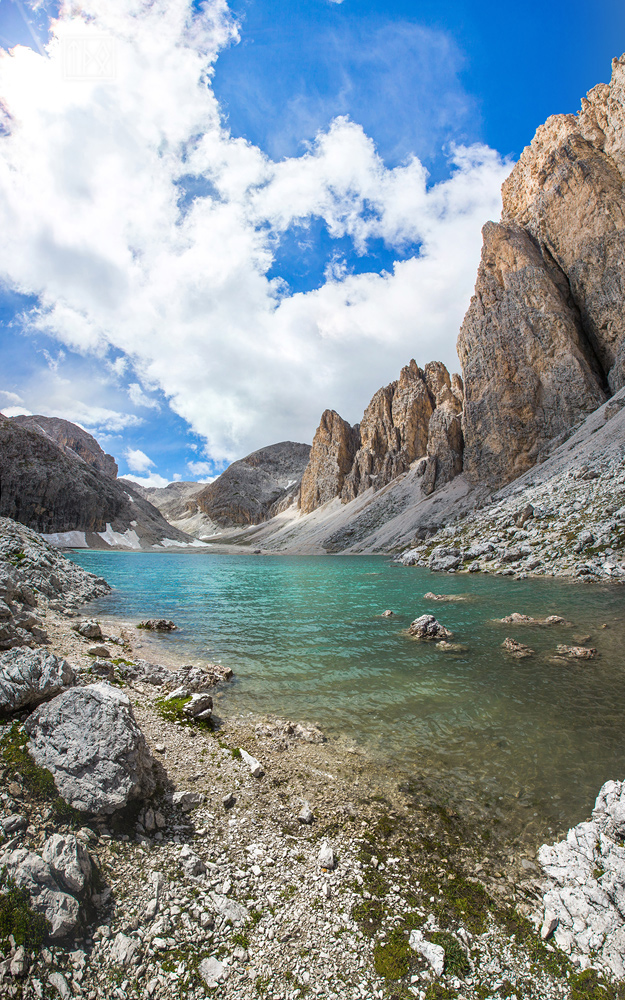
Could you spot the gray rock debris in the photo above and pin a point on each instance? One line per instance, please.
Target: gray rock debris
(585, 902)
(59, 983)
(88, 738)
(434, 954)
(212, 971)
(125, 950)
(30, 676)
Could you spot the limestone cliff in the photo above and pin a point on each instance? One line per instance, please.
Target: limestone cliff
(543, 341)
(73, 440)
(417, 416)
(331, 459)
(252, 489)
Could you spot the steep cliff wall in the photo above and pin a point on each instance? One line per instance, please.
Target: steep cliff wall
(45, 488)
(73, 440)
(417, 416)
(543, 341)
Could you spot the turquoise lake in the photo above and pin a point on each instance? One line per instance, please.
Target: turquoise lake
(306, 641)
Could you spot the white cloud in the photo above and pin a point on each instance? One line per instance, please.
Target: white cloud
(137, 460)
(139, 398)
(203, 471)
(11, 397)
(153, 479)
(89, 186)
(177, 477)
(15, 411)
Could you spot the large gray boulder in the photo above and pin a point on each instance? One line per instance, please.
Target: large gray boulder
(30, 676)
(89, 740)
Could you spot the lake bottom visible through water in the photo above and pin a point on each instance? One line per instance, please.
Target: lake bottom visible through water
(531, 740)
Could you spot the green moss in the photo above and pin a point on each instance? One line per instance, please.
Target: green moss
(236, 753)
(587, 986)
(17, 918)
(456, 961)
(436, 991)
(261, 985)
(393, 958)
(37, 781)
(369, 915)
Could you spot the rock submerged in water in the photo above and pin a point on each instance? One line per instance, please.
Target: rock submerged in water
(517, 649)
(158, 625)
(516, 619)
(427, 627)
(30, 676)
(577, 652)
(90, 742)
(583, 906)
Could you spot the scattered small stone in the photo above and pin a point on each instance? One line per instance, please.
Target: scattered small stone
(254, 765)
(228, 800)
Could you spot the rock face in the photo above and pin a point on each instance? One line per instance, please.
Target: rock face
(28, 677)
(50, 489)
(89, 740)
(331, 459)
(73, 440)
(252, 489)
(417, 416)
(543, 340)
(583, 906)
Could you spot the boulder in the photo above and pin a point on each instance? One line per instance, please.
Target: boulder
(47, 896)
(434, 954)
(200, 707)
(69, 861)
(88, 629)
(577, 652)
(30, 676)
(89, 740)
(427, 627)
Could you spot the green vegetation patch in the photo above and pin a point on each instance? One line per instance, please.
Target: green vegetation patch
(393, 958)
(369, 915)
(172, 710)
(19, 919)
(37, 781)
(588, 986)
(456, 961)
(436, 991)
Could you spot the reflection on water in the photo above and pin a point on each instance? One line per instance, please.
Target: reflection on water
(306, 640)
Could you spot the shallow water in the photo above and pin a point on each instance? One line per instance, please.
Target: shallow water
(306, 640)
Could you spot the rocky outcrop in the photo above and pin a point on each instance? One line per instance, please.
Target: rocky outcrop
(71, 439)
(173, 500)
(28, 677)
(31, 569)
(331, 459)
(543, 340)
(417, 416)
(250, 490)
(90, 742)
(583, 904)
(72, 502)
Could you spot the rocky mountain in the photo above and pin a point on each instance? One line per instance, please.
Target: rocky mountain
(73, 440)
(543, 341)
(256, 487)
(415, 417)
(70, 501)
(172, 500)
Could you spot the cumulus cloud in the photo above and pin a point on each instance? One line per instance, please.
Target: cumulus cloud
(137, 460)
(153, 479)
(95, 223)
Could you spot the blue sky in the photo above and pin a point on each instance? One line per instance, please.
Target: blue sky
(241, 216)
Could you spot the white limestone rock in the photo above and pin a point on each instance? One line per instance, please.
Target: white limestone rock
(30, 676)
(434, 954)
(89, 740)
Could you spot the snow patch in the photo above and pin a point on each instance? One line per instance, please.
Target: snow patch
(129, 538)
(67, 539)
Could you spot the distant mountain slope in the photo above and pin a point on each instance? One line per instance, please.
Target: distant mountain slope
(73, 440)
(172, 500)
(69, 501)
(252, 489)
